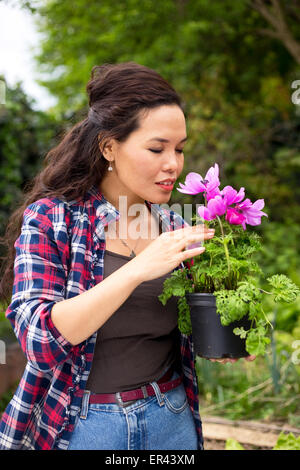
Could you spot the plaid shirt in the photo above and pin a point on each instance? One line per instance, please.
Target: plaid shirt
(59, 254)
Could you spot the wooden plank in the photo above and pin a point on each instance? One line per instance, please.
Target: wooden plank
(244, 436)
(257, 425)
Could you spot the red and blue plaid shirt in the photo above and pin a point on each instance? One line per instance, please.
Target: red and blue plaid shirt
(59, 254)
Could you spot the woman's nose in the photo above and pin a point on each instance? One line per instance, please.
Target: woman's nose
(172, 162)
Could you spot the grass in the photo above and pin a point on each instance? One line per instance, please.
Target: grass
(246, 390)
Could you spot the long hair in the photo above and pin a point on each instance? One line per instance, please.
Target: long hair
(118, 95)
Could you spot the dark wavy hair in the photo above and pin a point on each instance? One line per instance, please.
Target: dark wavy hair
(119, 95)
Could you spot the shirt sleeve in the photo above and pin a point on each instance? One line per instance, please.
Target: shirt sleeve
(39, 282)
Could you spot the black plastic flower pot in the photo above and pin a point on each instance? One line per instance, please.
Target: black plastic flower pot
(211, 339)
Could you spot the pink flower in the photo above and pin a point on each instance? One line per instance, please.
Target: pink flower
(235, 217)
(253, 211)
(231, 196)
(215, 206)
(246, 212)
(195, 184)
(227, 201)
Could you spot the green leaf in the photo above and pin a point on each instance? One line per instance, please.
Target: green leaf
(176, 285)
(284, 290)
(287, 442)
(230, 306)
(257, 340)
(233, 444)
(184, 317)
(240, 332)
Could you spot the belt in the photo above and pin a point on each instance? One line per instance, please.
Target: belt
(128, 397)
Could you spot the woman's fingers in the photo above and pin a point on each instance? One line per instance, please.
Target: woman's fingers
(225, 360)
(250, 358)
(190, 236)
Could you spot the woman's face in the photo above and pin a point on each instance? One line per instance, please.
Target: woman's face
(150, 155)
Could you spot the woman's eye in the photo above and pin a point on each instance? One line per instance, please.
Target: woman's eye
(159, 151)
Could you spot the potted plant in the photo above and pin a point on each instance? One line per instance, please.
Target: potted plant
(219, 299)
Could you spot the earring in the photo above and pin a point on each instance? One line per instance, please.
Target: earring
(110, 168)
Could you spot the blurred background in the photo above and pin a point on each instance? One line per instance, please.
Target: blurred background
(237, 67)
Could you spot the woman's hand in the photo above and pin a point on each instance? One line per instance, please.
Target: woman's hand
(168, 250)
(224, 361)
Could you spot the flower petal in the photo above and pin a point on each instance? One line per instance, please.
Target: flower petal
(212, 178)
(205, 213)
(193, 184)
(259, 204)
(216, 206)
(245, 205)
(234, 216)
(211, 194)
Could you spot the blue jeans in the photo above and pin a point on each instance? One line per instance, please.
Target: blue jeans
(160, 422)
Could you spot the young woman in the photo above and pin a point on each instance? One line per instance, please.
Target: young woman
(107, 367)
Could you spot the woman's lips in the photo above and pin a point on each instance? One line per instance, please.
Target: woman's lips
(166, 187)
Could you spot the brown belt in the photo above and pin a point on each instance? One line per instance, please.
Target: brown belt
(123, 398)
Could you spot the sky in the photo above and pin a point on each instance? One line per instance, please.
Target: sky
(19, 42)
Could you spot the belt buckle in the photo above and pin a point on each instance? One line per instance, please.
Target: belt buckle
(121, 402)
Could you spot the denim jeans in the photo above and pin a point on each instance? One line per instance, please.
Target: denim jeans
(160, 422)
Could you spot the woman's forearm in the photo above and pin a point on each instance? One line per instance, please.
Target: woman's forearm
(79, 317)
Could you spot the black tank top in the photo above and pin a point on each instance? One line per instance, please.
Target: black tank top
(139, 342)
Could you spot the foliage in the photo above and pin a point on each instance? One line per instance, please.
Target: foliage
(287, 442)
(246, 300)
(227, 267)
(6, 330)
(26, 135)
(232, 305)
(233, 444)
(247, 390)
(235, 80)
(5, 399)
(75, 38)
(178, 284)
(284, 442)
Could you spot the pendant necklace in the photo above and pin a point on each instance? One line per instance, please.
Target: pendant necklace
(132, 254)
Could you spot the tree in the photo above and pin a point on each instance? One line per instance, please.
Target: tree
(236, 81)
(277, 15)
(26, 135)
(183, 40)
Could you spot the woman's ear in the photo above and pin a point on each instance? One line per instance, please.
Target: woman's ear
(107, 148)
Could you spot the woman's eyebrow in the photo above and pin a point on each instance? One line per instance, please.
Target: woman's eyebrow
(160, 139)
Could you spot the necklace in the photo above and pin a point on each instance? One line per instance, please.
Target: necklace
(132, 254)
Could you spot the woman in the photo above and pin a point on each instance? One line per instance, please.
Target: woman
(107, 367)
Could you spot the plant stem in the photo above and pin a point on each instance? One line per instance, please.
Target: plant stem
(224, 244)
(265, 291)
(267, 321)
